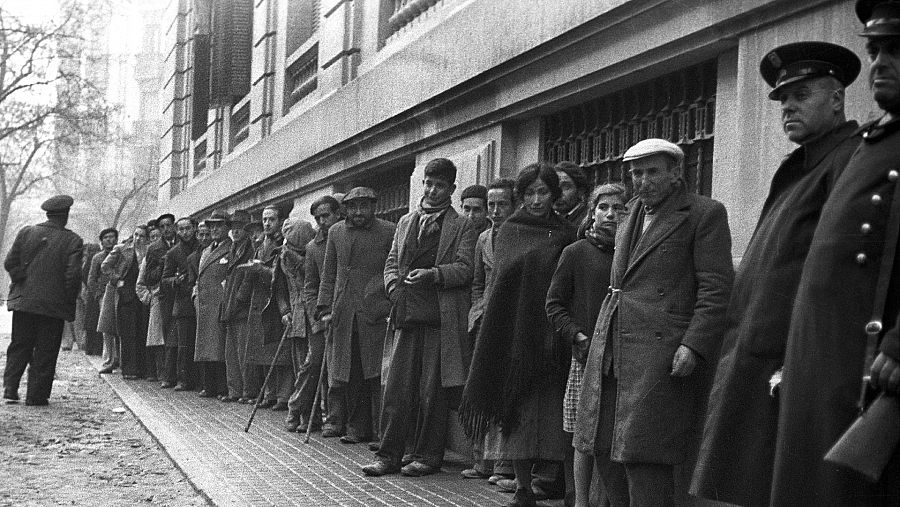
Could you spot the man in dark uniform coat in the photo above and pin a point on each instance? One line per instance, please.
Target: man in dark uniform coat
(826, 347)
(735, 461)
(177, 286)
(44, 265)
(165, 356)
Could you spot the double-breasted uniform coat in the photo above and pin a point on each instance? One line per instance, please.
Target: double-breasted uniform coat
(823, 364)
(352, 278)
(735, 460)
(670, 290)
(210, 293)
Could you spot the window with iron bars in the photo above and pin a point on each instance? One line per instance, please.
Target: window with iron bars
(679, 107)
(392, 188)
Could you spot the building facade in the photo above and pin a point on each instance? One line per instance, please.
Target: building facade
(277, 102)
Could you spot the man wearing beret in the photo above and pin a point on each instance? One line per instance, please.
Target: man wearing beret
(351, 292)
(427, 275)
(177, 286)
(474, 206)
(657, 333)
(808, 79)
(44, 265)
(848, 300)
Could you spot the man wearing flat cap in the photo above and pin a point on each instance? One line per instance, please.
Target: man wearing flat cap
(657, 333)
(209, 292)
(738, 449)
(474, 205)
(844, 323)
(427, 275)
(44, 266)
(351, 291)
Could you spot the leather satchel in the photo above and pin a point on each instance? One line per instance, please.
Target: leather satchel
(869, 443)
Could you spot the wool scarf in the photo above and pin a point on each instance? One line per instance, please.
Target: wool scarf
(516, 351)
(299, 233)
(429, 215)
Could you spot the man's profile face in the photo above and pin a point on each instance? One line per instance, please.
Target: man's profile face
(475, 209)
(884, 72)
(186, 230)
(654, 178)
(270, 222)
(571, 196)
(809, 108)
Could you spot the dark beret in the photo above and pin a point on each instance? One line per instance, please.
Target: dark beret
(805, 60)
(477, 191)
(58, 204)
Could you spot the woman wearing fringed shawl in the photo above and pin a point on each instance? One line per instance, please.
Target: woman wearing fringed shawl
(514, 393)
(573, 302)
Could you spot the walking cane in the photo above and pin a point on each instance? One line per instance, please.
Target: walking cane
(317, 397)
(262, 389)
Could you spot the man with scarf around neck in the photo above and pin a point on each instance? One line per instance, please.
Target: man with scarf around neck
(325, 211)
(501, 203)
(427, 276)
(572, 307)
(44, 266)
(176, 285)
(735, 459)
(352, 296)
(265, 321)
(208, 275)
(835, 306)
(657, 333)
(241, 379)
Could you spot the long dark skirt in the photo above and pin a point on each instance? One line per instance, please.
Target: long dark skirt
(93, 339)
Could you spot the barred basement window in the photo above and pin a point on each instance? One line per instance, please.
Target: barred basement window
(392, 187)
(679, 107)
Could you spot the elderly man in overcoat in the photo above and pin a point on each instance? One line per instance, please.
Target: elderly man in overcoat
(209, 292)
(738, 449)
(847, 276)
(44, 266)
(352, 291)
(427, 274)
(659, 328)
(243, 383)
(176, 285)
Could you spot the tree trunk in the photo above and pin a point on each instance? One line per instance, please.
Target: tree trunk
(4, 221)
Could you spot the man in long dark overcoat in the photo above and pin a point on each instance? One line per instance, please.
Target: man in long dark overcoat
(243, 383)
(209, 291)
(176, 285)
(658, 330)
(166, 355)
(44, 266)
(836, 303)
(430, 266)
(735, 461)
(352, 291)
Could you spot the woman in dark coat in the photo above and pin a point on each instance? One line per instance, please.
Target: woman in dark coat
(573, 302)
(521, 403)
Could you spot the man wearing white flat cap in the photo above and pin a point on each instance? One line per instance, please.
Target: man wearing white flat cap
(658, 332)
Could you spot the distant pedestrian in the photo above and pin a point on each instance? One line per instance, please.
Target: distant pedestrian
(44, 266)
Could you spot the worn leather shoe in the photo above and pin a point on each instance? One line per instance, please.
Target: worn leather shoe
(166, 385)
(181, 387)
(498, 477)
(374, 446)
(106, 370)
(471, 473)
(351, 439)
(379, 468)
(36, 403)
(330, 432)
(418, 469)
(228, 399)
(10, 396)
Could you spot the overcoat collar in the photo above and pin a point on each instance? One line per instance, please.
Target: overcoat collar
(214, 255)
(449, 230)
(670, 215)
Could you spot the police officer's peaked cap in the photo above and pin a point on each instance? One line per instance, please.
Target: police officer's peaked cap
(218, 215)
(241, 216)
(58, 204)
(360, 193)
(880, 18)
(653, 146)
(805, 60)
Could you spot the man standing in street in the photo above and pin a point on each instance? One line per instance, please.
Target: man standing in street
(325, 211)
(165, 355)
(735, 460)
(352, 294)
(572, 204)
(44, 266)
(474, 206)
(209, 291)
(849, 293)
(97, 283)
(243, 383)
(659, 328)
(176, 285)
(427, 275)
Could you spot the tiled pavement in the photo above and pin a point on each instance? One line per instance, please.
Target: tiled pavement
(269, 466)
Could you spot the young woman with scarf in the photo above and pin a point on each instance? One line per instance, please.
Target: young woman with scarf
(519, 405)
(573, 302)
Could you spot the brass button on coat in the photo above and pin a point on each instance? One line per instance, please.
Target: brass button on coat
(861, 258)
(865, 228)
(893, 175)
(876, 199)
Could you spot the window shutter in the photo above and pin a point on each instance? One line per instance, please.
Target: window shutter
(230, 51)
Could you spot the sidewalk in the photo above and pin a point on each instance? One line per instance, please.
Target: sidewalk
(269, 466)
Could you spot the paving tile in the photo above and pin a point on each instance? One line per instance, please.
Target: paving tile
(269, 466)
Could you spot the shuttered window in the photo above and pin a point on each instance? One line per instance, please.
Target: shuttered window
(230, 51)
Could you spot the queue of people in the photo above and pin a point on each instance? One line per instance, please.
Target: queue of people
(596, 347)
